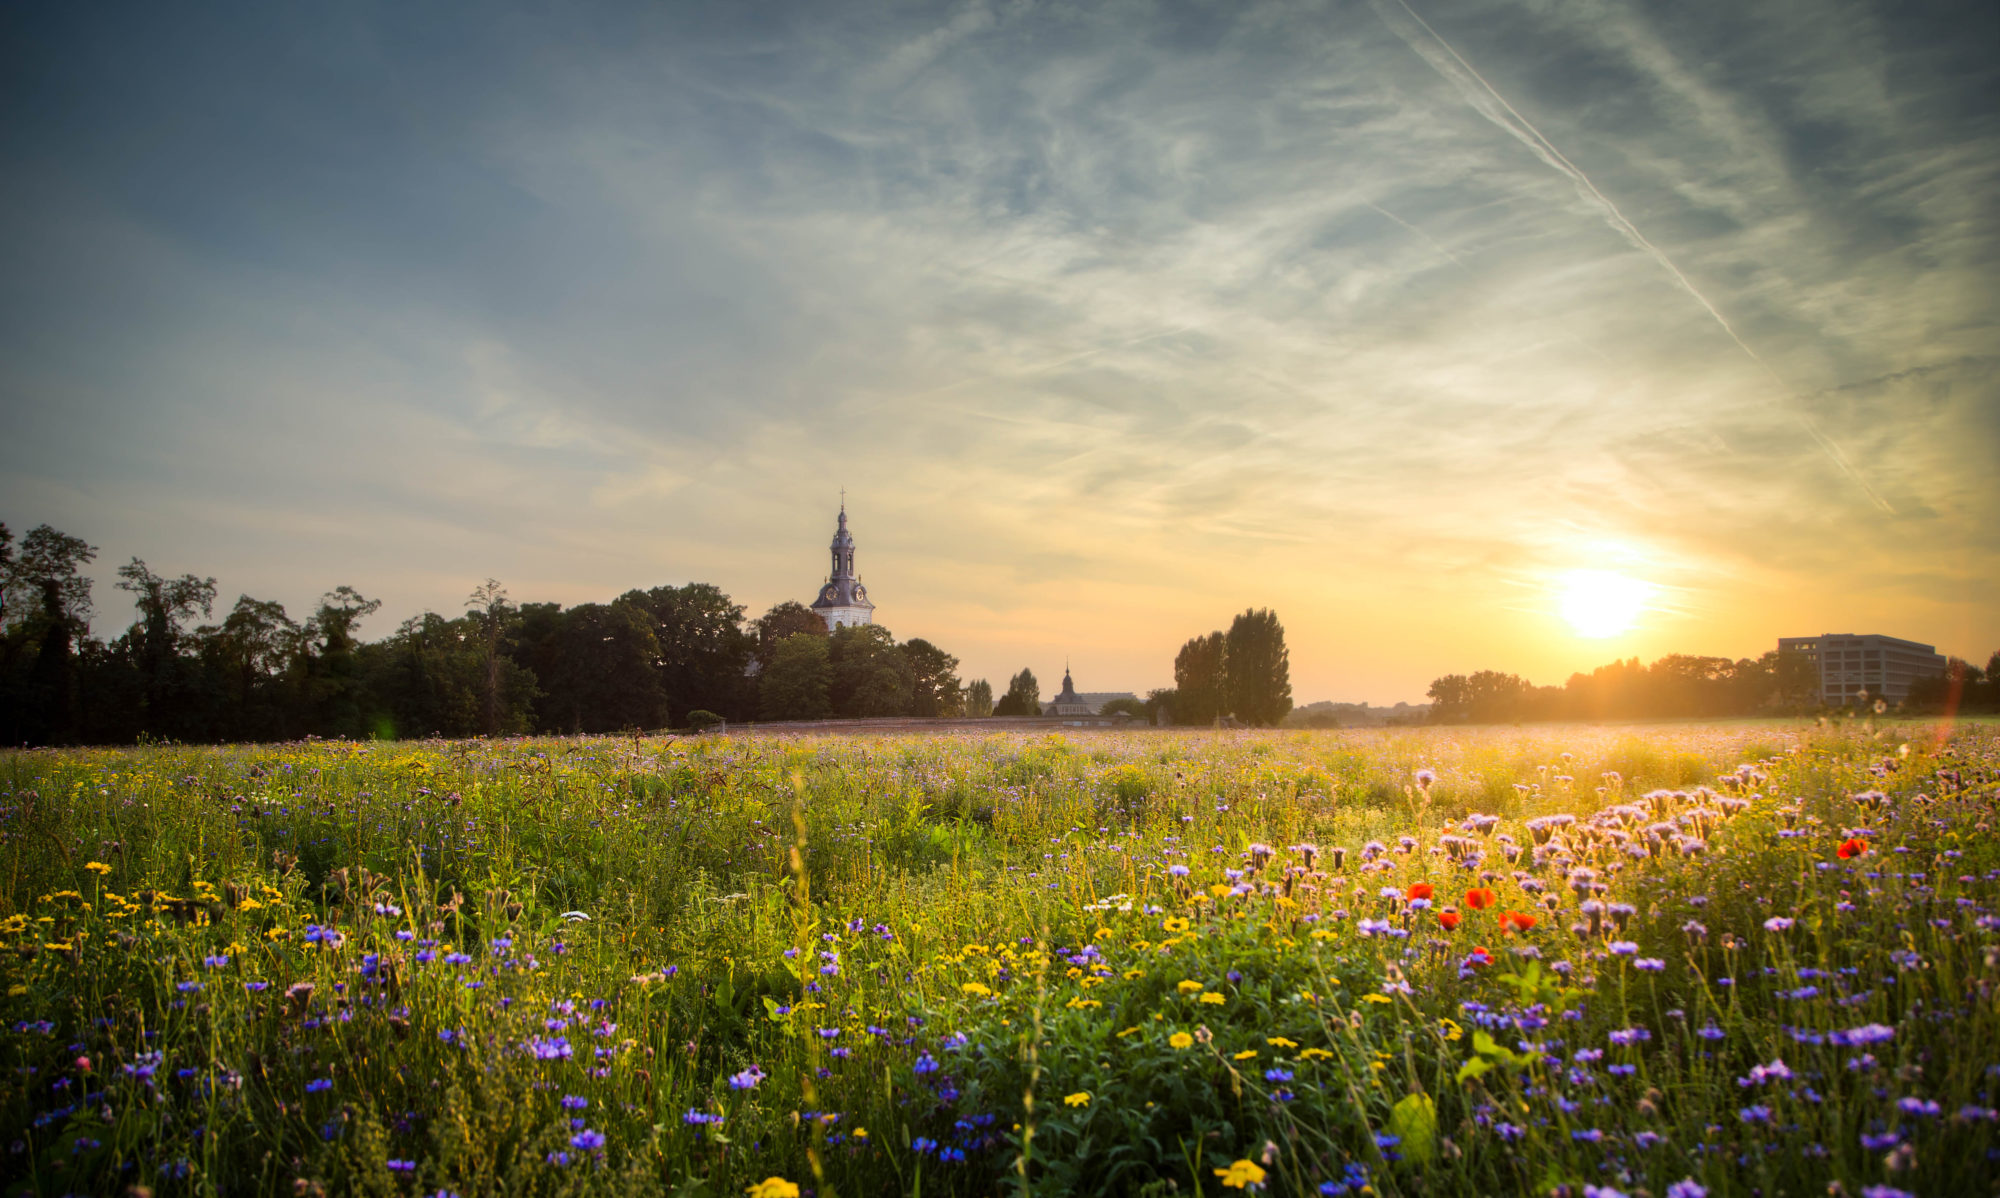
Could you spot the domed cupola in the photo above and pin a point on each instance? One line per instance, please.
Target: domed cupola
(842, 600)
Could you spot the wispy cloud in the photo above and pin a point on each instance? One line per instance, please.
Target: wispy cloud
(1112, 320)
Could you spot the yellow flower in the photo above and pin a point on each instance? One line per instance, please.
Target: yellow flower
(1180, 1040)
(16, 991)
(1218, 890)
(1128, 1031)
(1246, 1054)
(1134, 974)
(1080, 1098)
(860, 1133)
(773, 1187)
(1188, 987)
(1451, 1030)
(1316, 1054)
(975, 989)
(1241, 1175)
(1376, 998)
(1280, 1042)
(249, 904)
(1175, 925)
(1212, 999)
(97, 867)
(1082, 1004)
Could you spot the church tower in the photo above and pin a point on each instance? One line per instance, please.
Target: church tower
(843, 600)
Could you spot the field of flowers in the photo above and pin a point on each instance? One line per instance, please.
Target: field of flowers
(1708, 960)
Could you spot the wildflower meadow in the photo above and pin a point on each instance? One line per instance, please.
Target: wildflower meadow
(1739, 959)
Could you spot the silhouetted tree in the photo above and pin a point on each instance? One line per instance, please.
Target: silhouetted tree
(703, 649)
(165, 604)
(1201, 679)
(978, 698)
(495, 618)
(933, 679)
(1257, 676)
(606, 677)
(333, 672)
(38, 675)
(1023, 697)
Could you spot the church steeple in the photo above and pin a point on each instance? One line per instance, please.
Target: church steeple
(843, 547)
(843, 600)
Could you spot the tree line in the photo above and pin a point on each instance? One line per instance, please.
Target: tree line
(1676, 686)
(1243, 675)
(665, 657)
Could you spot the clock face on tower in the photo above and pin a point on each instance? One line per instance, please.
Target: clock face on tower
(861, 593)
(827, 595)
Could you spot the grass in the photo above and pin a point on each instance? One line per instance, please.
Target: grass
(1103, 963)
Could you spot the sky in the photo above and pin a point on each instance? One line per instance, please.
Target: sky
(1112, 319)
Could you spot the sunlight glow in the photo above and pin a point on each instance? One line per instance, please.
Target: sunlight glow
(1597, 603)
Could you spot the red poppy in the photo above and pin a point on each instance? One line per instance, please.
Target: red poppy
(1419, 890)
(1449, 919)
(1853, 846)
(1478, 957)
(1479, 898)
(1516, 921)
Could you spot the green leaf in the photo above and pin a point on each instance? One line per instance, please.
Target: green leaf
(1474, 1067)
(1415, 1120)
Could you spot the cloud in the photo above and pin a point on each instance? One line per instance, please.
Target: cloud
(1112, 320)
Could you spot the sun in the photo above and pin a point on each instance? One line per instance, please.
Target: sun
(1598, 603)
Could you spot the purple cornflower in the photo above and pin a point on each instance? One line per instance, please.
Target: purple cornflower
(1867, 1033)
(587, 1140)
(556, 1048)
(746, 1080)
(319, 1085)
(1779, 923)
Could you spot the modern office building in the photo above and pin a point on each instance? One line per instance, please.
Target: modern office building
(1855, 668)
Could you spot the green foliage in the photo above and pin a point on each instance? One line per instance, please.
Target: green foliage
(795, 686)
(871, 673)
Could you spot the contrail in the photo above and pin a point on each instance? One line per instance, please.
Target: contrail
(1489, 103)
(1425, 237)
